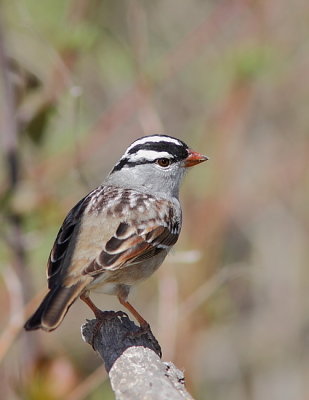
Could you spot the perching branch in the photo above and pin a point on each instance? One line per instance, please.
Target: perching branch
(132, 360)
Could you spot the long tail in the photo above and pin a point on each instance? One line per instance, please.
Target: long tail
(54, 307)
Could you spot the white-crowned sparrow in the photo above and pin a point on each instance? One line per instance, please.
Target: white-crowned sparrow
(120, 233)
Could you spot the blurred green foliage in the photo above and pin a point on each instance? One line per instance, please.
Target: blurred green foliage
(227, 77)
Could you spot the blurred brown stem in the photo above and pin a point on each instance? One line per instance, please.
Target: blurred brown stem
(9, 137)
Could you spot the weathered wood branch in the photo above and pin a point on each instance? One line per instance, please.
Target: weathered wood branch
(132, 360)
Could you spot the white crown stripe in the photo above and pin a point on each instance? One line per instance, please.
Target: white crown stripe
(150, 155)
(154, 139)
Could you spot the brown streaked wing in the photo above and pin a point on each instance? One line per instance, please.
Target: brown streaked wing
(68, 229)
(144, 244)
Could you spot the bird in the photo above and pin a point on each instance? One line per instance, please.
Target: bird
(120, 233)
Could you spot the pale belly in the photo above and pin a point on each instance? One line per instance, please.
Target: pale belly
(109, 281)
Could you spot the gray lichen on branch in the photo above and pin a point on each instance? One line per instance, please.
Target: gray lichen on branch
(132, 359)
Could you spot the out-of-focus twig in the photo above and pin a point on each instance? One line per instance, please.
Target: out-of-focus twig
(207, 289)
(168, 66)
(9, 128)
(15, 325)
(168, 297)
(88, 385)
(148, 116)
(9, 137)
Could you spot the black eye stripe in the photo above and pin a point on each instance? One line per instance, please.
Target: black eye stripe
(129, 164)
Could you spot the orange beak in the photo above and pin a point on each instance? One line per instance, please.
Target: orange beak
(194, 158)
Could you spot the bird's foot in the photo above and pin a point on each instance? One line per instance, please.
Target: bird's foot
(101, 318)
(144, 329)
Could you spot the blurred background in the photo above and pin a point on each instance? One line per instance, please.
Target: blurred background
(80, 80)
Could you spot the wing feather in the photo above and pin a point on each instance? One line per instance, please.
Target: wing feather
(142, 245)
(63, 242)
(98, 236)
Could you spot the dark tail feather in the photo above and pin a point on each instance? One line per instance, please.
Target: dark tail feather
(54, 307)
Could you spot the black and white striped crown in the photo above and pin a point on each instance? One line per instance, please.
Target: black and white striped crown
(148, 149)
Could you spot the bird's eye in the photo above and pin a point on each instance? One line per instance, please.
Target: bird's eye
(163, 162)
